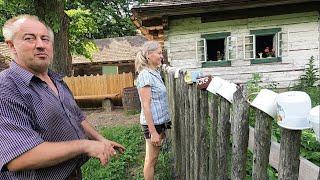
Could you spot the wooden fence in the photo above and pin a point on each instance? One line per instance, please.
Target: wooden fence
(99, 84)
(204, 128)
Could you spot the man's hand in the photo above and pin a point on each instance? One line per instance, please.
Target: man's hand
(116, 146)
(101, 150)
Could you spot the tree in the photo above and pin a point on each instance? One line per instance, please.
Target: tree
(52, 12)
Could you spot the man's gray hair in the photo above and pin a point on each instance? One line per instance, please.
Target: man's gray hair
(11, 26)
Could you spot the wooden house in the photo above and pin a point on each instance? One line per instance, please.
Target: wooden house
(115, 56)
(235, 38)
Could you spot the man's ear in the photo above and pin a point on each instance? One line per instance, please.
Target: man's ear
(11, 46)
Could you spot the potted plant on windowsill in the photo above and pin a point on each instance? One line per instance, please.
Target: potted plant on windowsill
(269, 53)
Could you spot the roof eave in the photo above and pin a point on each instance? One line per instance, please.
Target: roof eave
(203, 7)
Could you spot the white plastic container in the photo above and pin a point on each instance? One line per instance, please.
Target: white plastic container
(314, 119)
(215, 84)
(266, 102)
(227, 89)
(293, 110)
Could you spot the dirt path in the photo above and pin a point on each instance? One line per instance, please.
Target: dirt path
(114, 118)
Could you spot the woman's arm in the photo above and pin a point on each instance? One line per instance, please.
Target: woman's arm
(145, 95)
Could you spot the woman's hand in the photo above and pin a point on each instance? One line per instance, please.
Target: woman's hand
(155, 139)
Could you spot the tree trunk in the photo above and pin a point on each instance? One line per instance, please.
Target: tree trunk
(52, 12)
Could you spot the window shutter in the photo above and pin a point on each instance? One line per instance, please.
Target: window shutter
(201, 50)
(282, 44)
(249, 47)
(231, 52)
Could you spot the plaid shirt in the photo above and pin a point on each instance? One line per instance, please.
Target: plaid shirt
(30, 114)
(159, 96)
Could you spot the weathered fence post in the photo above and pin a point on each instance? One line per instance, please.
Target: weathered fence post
(213, 111)
(262, 143)
(196, 110)
(203, 146)
(182, 126)
(240, 134)
(191, 130)
(186, 129)
(289, 154)
(177, 127)
(223, 139)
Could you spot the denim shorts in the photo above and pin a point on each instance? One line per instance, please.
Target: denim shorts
(161, 128)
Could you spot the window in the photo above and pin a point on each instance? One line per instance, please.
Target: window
(265, 45)
(216, 49)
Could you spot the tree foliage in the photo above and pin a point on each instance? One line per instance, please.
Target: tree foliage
(81, 28)
(82, 20)
(112, 17)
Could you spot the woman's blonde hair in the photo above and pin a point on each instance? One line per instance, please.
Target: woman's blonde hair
(11, 26)
(141, 61)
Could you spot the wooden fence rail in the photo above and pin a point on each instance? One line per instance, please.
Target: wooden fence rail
(204, 128)
(99, 84)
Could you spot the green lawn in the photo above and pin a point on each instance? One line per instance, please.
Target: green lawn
(130, 164)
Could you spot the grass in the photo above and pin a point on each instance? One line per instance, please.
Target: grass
(130, 164)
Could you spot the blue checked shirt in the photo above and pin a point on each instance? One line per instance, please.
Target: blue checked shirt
(30, 114)
(159, 96)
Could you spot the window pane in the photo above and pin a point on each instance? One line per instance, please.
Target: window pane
(249, 40)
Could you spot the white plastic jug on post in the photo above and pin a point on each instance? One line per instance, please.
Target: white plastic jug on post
(293, 109)
(314, 119)
(227, 89)
(215, 84)
(266, 102)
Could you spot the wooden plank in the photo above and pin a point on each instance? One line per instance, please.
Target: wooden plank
(191, 134)
(196, 106)
(186, 129)
(223, 139)
(213, 112)
(240, 133)
(182, 128)
(289, 154)
(203, 146)
(262, 134)
(177, 127)
(307, 170)
(96, 97)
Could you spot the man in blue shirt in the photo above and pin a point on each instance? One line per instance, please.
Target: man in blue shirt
(43, 134)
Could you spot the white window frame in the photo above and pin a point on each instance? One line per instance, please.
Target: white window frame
(204, 50)
(229, 45)
(253, 46)
(282, 50)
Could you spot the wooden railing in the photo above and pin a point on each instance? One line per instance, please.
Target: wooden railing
(203, 129)
(99, 85)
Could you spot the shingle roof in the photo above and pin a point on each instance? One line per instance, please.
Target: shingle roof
(4, 50)
(5, 56)
(114, 50)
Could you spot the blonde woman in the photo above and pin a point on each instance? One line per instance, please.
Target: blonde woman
(154, 116)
